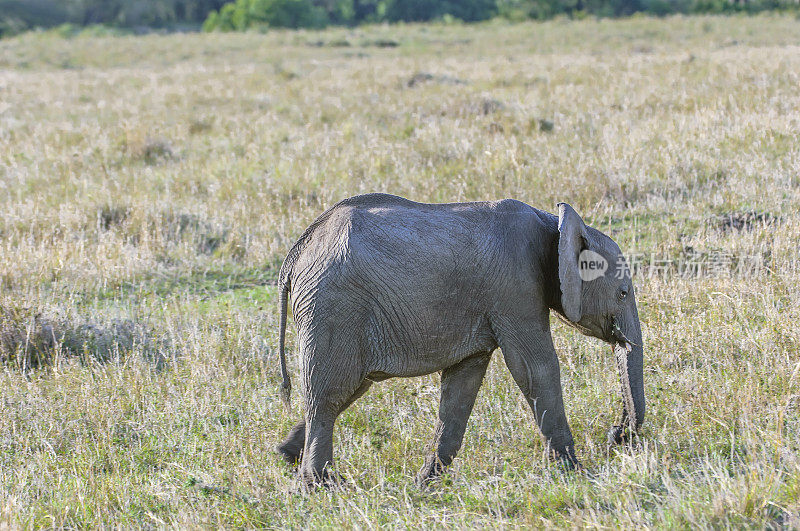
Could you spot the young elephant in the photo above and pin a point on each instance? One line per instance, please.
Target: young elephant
(382, 287)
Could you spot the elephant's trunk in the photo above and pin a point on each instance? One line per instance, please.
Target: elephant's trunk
(629, 355)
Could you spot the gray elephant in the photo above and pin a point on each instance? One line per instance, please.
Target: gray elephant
(384, 287)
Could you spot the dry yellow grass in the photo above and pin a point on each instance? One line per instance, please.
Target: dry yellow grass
(161, 179)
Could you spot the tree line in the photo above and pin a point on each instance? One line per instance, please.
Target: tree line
(221, 15)
(21, 15)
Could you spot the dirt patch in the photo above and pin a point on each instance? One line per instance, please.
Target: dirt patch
(110, 216)
(30, 339)
(496, 127)
(488, 106)
(381, 43)
(198, 125)
(745, 221)
(150, 150)
(155, 151)
(334, 43)
(484, 106)
(545, 125)
(205, 236)
(424, 77)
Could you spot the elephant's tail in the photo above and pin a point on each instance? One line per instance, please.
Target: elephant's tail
(286, 388)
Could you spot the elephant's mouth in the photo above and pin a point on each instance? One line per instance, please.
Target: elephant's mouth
(618, 338)
(611, 333)
(595, 331)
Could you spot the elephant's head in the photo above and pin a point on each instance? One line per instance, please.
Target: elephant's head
(597, 297)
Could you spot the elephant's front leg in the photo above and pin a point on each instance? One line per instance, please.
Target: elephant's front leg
(460, 384)
(531, 358)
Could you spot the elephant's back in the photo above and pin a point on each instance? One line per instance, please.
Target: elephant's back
(381, 234)
(376, 203)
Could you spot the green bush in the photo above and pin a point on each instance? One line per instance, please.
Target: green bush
(243, 14)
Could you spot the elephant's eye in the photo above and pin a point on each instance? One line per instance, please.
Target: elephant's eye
(622, 294)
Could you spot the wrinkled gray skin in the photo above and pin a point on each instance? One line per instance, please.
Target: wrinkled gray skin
(384, 287)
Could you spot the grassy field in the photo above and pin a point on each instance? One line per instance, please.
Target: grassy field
(150, 187)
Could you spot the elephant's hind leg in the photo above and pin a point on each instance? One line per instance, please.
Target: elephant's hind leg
(292, 447)
(333, 376)
(321, 413)
(460, 385)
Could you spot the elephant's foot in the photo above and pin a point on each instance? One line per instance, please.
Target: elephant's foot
(291, 454)
(327, 479)
(621, 435)
(565, 458)
(430, 472)
(568, 464)
(291, 449)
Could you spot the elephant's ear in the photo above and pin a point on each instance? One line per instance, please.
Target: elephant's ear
(570, 244)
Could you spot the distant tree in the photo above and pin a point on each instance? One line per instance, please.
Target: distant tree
(144, 12)
(196, 10)
(19, 15)
(665, 7)
(412, 10)
(337, 11)
(535, 9)
(421, 10)
(611, 8)
(471, 10)
(365, 10)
